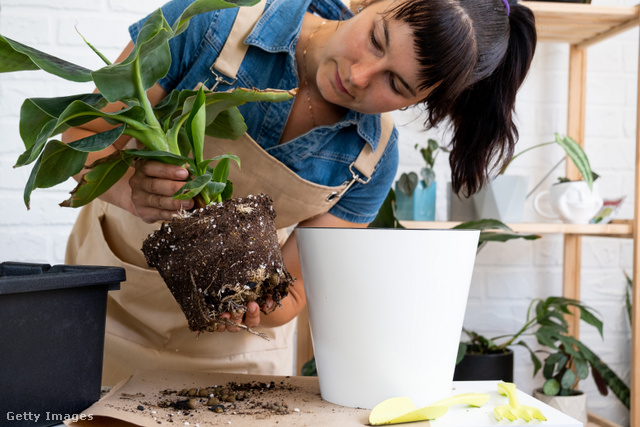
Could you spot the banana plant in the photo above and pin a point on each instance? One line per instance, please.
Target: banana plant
(171, 132)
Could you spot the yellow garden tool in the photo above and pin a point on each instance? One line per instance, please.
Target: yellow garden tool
(514, 409)
(401, 410)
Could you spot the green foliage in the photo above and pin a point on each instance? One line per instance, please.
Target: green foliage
(172, 132)
(567, 358)
(408, 181)
(573, 150)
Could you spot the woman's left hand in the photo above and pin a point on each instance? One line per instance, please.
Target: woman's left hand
(250, 319)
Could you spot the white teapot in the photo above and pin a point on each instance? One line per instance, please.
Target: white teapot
(572, 202)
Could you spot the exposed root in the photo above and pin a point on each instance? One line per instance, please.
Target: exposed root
(245, 327)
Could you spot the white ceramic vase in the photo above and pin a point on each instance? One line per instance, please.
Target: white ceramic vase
(386, 308)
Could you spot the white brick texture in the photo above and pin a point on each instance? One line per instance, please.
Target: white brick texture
(507, 276)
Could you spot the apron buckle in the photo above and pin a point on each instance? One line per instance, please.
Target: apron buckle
(347, 184)
(219, 78)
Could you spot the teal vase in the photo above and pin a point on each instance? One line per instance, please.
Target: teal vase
(419, 207)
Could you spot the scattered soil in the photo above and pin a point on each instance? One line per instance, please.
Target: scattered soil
(196, 405)
(218, 258)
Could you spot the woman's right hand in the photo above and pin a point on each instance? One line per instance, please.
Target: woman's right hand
(152, 185)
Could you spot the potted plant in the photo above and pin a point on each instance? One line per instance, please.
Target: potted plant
(416, 198)
(567, 358)
(173, 132)
(504, 197)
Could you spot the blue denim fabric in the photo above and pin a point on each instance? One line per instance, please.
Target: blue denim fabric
(322, 155)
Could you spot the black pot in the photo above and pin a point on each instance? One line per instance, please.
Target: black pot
(477, 367)
(52, 327)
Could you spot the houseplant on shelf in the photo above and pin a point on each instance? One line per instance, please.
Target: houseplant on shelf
(546, 321)
(173, 132)
(504, 197)
(416, 197)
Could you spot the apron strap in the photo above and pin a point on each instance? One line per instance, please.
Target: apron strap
(234, 49)
(367, 160)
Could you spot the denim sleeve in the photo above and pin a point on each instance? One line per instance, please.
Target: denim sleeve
(184, 46)
(361, 203)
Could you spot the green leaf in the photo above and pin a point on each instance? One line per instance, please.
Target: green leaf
(36, 112)
(195, 126)
(551, 387)
(55, 154)
(408, 183)
(160, 156)
(29, 186)
(386, 217)
(148, 62)
(103, 175)
(228, 124)
(203, 6)
(15, 56)
(582, 367)
(193, 188)
(226, 194)
(568, 379)
(577, 156)
(221, 171)
(75, 112)
(484, 224)
(60, 161)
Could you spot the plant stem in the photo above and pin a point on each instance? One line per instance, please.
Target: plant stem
(522, 152)
(152, 121)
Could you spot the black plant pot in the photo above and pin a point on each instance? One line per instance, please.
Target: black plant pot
(52, 325)
(477, 367)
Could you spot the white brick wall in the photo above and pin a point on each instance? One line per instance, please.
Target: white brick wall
(507, 275)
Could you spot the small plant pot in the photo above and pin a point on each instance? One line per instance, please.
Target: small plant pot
(502, 199)
(478, 367)
(52, 323)
(356, 283)
(421, 206)
(574, 405)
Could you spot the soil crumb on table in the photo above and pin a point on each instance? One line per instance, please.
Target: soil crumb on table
(215, 404)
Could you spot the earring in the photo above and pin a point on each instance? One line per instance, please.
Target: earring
(359, 9)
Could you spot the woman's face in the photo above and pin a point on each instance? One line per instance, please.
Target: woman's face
(369, 63)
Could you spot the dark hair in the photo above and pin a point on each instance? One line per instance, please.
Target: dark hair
(475, 56)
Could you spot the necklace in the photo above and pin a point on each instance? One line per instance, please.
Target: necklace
(304, 72)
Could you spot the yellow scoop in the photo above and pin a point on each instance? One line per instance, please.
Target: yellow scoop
(401, 410)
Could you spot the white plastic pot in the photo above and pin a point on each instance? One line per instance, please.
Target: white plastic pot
(386, 308)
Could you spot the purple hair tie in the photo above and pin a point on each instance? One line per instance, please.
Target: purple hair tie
(506, 4)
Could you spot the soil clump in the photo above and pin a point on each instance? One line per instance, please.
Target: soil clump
(218, 258)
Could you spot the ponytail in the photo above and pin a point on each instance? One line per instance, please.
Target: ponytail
(482, 115)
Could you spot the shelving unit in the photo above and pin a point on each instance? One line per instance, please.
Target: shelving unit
(581, 26)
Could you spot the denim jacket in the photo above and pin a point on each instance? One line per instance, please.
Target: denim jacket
(322, 155)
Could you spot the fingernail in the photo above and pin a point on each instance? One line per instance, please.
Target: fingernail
(182, 173)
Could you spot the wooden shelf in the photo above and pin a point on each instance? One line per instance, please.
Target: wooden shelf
(617, 228)
(581, 24)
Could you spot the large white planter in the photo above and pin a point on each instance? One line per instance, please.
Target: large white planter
(575, 405)
(386, 308)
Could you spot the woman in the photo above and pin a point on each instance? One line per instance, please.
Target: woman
(462, 59)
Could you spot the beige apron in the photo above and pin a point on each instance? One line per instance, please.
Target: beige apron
(146, 328)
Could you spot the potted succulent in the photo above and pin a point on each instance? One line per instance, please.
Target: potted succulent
(416, 198)
(567, 358)
(504, 197)
(173, 132)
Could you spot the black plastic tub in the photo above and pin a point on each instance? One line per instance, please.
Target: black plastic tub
(52, 321)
